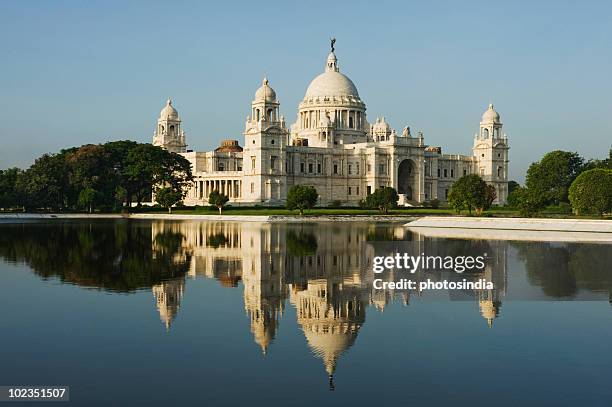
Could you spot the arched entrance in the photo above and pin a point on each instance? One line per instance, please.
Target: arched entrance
(405, 179)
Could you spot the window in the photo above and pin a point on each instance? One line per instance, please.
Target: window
(498, 155)
(369, 168)
(446, 193)
(482, 155)
(272, 141)
(253, 141)
(369, 189)
(350, 169)
(482, 171)
(302, 167)
(349, 190)
(452, 173)
(221, 167)
(445, 173)
(335, 168)
(485, 133)
(273, 163)
(381, 169)
(253, 163)
(357, 169)
(310, 168)
(499, 171)
(252, 188)
(357, 190)
(350, 123)
(319, 168)
(464, 172)
(438, 173)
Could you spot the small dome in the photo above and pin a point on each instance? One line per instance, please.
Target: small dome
(490, 115)
(229, 146)
(382, 125)
(168, 112)
(265, 93)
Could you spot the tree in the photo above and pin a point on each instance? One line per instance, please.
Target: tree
(383, 199)
(88, 198)
(512, 185)
(217, 199)
(9, 192)
(301, 197)
(591, 191)
(46, 183)
(168, 197)
(528, 201)
(468, 192)
(514, 196)
(553, 174)
(490, 197)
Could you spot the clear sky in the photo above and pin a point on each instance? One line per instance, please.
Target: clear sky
(87, 72)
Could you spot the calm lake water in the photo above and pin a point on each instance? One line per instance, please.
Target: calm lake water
(222, 313)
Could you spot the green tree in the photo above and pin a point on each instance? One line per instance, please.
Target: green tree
(218, 200)
(552, 176)
(512, 185)
(528, 201)
(383, 199)
(168, 197)
(88, 198)
(46, 183)
(301, 197)
(468, 192)
(591, 192)
(10, 196)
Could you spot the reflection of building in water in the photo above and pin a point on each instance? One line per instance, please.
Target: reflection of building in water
(325, 269)
(496, 272)
(168, 297)
(265, 290)
(330, 314)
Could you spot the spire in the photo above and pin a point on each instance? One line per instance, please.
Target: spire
(169, 101)
(332, 61)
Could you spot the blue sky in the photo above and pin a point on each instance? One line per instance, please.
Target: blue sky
(87, 72)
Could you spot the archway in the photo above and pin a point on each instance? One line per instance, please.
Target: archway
(405, 178)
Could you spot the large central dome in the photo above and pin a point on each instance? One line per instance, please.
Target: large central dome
(331, 83)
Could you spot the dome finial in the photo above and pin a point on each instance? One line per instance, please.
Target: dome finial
(265, 80)
(333, 42)
(169, 101)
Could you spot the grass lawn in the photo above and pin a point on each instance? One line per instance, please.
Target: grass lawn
(268, 211)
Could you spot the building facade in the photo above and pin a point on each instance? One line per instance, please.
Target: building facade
(332, 147)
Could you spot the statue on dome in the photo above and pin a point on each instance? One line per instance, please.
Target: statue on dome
(333, 41)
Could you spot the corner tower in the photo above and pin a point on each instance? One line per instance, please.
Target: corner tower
(491, 154)
(168, 134)
(265, 139)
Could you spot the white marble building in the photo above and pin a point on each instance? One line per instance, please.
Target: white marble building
(333, 148)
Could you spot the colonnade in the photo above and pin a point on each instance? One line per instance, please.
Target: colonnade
(231, 188)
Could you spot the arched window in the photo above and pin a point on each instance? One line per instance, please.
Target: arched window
(350, 122)
(171, 130)
(257, 114)
(485, 133)
(496, 132)
(269, 115)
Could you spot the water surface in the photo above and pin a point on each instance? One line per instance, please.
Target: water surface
(227, 313)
